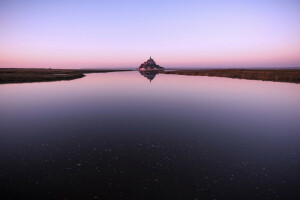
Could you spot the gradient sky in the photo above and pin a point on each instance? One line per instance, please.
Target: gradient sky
(116, 34)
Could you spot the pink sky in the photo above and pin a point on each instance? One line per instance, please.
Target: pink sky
(78, 34)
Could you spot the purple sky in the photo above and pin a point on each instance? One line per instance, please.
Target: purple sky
(116, 34)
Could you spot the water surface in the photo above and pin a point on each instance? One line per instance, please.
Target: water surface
(120, 136)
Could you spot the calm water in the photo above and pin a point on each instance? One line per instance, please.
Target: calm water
(118, 136)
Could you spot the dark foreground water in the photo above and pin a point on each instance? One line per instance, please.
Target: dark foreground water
(118, 136)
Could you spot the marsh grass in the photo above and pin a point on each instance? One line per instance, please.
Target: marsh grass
(23, 75)
(277, 75)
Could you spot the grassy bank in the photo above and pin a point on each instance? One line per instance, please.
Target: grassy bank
(277, 75)
(17, 75)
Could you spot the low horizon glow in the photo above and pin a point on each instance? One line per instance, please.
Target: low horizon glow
(119, 34)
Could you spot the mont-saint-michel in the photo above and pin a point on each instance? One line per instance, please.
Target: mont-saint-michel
(150, 65)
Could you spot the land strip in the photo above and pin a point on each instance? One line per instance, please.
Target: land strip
(277, 75)
(25, 75)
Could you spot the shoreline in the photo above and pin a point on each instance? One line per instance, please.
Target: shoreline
(274, 75)
(29, 75)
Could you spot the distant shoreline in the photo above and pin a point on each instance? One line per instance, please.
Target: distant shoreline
(26, 75)
(275, 75)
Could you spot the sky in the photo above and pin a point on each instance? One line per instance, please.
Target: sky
(177, 34)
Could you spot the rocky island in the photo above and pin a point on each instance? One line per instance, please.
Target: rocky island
(150, 65)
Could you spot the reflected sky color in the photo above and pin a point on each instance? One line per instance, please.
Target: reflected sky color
(185, 137)
(114, 34)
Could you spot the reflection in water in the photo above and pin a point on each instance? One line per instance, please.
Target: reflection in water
(112, 136)
(149, 74)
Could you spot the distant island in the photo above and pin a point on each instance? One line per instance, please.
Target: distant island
(150, 65)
